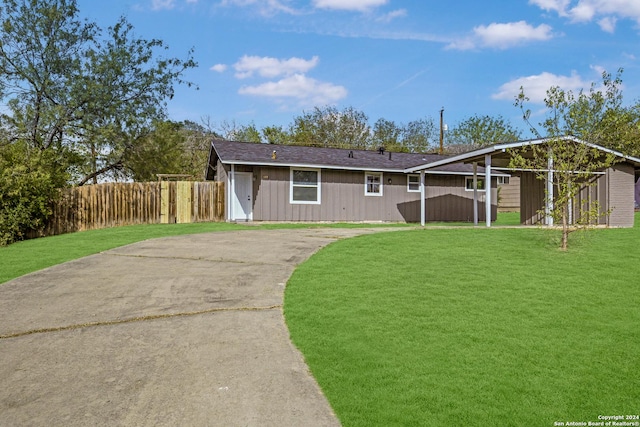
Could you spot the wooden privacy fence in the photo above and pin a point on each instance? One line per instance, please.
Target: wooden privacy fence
(116, 204)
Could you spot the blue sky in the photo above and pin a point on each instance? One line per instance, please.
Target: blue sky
(267, 61)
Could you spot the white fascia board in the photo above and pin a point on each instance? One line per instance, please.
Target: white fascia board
(428, 172)
(614, 152)
(316, 166)
(455, 159)
(480, 152)
(309, 165)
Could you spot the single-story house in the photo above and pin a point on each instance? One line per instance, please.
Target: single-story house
(612, 188)
(297, 183)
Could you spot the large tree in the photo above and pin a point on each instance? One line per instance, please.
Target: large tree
(387, 134)
(420, 136)
(70, 86)
(480, 131)
(589, 115)
(330, 127)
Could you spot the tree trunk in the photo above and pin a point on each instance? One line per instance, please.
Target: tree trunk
(565, 228)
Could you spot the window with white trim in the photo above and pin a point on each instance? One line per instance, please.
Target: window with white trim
(413, 183)
(304, 186)
(503, 180)
(469, 184)
(373, 183)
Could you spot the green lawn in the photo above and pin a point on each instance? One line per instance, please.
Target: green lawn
(444, 326)
(472, 327)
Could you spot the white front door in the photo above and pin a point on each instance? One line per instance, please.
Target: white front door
(242, 197)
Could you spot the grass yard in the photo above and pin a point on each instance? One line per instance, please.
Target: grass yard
(472, 327)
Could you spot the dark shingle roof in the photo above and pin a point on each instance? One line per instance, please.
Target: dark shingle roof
(232, 152)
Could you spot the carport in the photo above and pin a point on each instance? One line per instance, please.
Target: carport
(614, 190)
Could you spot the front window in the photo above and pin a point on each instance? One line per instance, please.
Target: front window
(305, 186)
(373, 184)
(469, 184)
(413, 183)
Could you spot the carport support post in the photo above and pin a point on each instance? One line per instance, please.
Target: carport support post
(423, 215)
(548, 208)
(487, 188)
(475, 193)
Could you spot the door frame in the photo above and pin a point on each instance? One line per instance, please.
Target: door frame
(233, 195)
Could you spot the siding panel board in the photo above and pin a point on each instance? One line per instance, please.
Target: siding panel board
(621, 195)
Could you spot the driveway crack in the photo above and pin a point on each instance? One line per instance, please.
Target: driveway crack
(231, 261)
(134, 320)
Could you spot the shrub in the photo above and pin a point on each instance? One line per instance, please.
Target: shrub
(29, 181)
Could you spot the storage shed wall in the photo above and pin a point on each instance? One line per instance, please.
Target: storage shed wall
(621, 179)
(613, 191)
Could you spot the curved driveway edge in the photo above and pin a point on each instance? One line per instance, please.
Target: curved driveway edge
(182, 330)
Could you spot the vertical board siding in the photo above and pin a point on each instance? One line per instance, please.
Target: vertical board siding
(613, 192)
(114, 204)
(343, 198)
(510, 195)
(532, 199)
(621, 183)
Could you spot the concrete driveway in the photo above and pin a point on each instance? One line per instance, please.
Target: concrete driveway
(176, 331)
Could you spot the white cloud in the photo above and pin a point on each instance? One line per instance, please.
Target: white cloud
(388, 17)
(167, 4)
(606, 12)
(263, 7)
(220, 68)
(303, 89)
(357, 5)
(608, 24)
(535, 87)
(272, 67)
(551, 5)
(162, 4)
(503, 36)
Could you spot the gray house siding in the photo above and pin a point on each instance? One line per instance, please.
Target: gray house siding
(621, 194)
(343, 199)
(510, 195)
(447, 199)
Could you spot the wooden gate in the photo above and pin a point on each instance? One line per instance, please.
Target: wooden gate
(188, 201)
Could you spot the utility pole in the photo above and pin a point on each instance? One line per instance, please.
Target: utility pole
(442, 131)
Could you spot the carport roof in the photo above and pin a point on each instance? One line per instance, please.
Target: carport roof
(500, 156)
